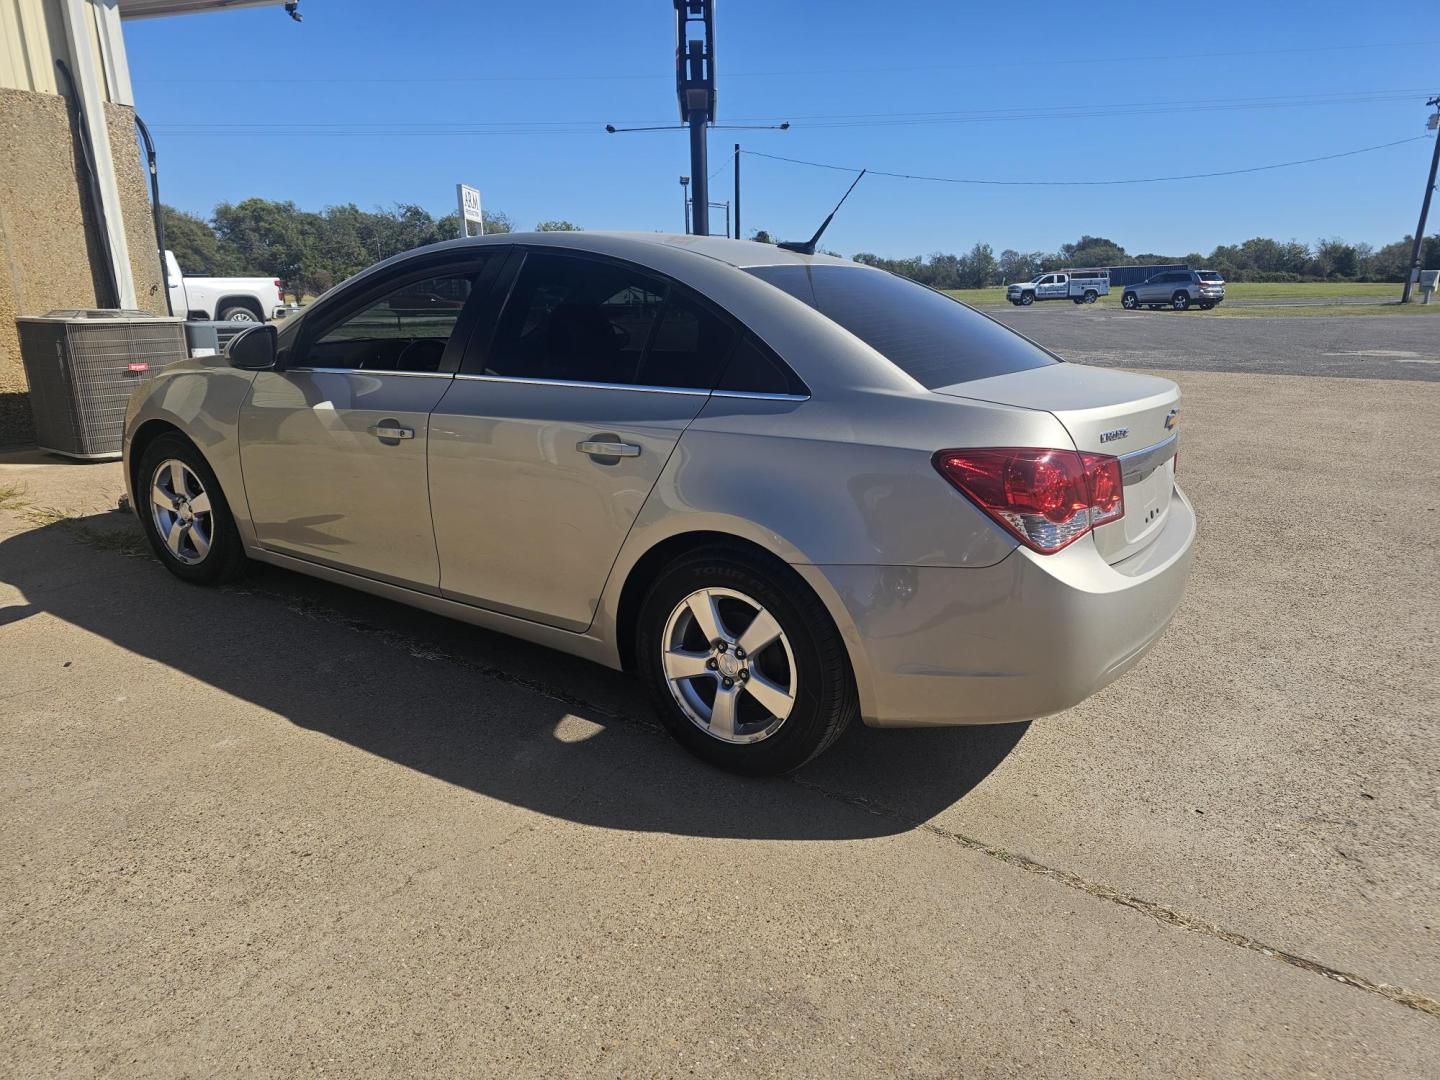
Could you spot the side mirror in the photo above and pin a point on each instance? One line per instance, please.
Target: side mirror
(253, 349)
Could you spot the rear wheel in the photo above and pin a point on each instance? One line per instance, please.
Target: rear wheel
(1091, 296)
(1129, 301)
(743, 663)
(1180, 301)
(237, 312)
(1206, 307)
(184, 513)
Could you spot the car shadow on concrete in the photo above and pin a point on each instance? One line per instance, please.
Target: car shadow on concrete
(508, 720)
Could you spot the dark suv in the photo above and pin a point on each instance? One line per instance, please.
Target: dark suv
(1176, 289)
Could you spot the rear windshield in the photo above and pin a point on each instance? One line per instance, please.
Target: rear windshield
(933, 339)
(1209, 275)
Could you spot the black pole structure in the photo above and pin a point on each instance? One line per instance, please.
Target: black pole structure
(159, 217)
(695, 89)
(737, 191)
(1413, 271)
(699, 170)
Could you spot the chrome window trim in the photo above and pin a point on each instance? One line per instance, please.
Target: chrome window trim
(758, 395)
(755, 395)
(1138, 464)
(371, 371)
(581, 385)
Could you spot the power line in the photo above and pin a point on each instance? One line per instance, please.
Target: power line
(385, 127)
(1028, 62)
(1089, 183)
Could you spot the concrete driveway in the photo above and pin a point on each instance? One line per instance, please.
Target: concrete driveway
(283, 828)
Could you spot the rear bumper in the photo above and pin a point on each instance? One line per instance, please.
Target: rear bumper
(1027, 637)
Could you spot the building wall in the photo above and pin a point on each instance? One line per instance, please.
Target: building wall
(51, 251)
(50, 256)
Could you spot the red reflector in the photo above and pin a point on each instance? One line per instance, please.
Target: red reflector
(1047, 498)
(137, 367)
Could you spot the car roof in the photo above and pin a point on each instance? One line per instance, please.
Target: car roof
(737, 253)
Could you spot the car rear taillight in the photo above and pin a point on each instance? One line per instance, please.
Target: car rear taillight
(1047, 498)
(280, 289)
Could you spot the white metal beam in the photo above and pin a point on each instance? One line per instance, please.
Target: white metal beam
(153, 9)
(92, 100)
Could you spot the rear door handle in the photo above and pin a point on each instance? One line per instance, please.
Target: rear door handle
(597, 448)
(392, 430)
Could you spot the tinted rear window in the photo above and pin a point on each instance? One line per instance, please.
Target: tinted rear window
(933, 339)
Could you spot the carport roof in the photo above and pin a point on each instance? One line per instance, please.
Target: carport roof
(150, 9)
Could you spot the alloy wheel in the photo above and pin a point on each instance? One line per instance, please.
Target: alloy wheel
(180, 509)
(729, 666)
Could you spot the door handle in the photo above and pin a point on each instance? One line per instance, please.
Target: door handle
(598, 448)
(390, 429)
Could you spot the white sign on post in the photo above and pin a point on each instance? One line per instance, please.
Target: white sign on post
(469, 209)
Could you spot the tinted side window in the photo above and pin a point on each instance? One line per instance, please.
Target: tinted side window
(754, 369)
(405, 330)
(935, 340)
(576, 319)
(689, 348)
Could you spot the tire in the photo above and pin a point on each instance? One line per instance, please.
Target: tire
(1180, 301)
(1130, 301)
(806, 662)
(240, 313)
(1206, 307)
(1091, 296)
(1026, 299)
(1076, 301)
(206, 548)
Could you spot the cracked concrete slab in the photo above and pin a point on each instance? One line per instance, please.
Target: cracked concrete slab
(285, 827)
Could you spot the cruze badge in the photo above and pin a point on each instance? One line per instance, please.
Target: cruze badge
(1171, 419)
(1114, 436)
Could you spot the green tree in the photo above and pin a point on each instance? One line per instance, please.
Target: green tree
(197, 249)
(980, 268)
(558, 226)
(1093, 251)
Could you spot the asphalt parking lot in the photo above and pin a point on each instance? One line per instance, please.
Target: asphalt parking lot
(1403, 347)
(283, 827)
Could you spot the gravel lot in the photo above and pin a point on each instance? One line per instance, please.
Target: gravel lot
(1346, 346)
(285, 828)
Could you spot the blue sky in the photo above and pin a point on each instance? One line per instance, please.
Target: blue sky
(377, 102)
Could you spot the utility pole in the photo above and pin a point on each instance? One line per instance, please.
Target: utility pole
(737, 191)
(695, 89)
(1413, 271)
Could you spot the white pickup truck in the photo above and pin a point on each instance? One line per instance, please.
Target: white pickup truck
(1081, 286)
(228, 299)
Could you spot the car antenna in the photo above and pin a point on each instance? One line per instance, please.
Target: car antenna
(807, 247)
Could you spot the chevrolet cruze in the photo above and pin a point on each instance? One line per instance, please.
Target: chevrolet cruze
(786, 490)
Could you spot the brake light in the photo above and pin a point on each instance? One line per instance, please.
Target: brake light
(1047, 499)
(280, 289)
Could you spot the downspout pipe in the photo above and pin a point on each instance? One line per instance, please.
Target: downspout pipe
(92, 184)
(159, 216)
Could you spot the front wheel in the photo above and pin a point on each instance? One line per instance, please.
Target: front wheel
(1129, 301)
(1026, 299)
(1180, 301)
(184, 513)
(743, 663)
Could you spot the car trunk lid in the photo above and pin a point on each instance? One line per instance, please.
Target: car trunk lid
(1106, 411)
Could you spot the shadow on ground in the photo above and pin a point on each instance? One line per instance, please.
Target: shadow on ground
(509, 720)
